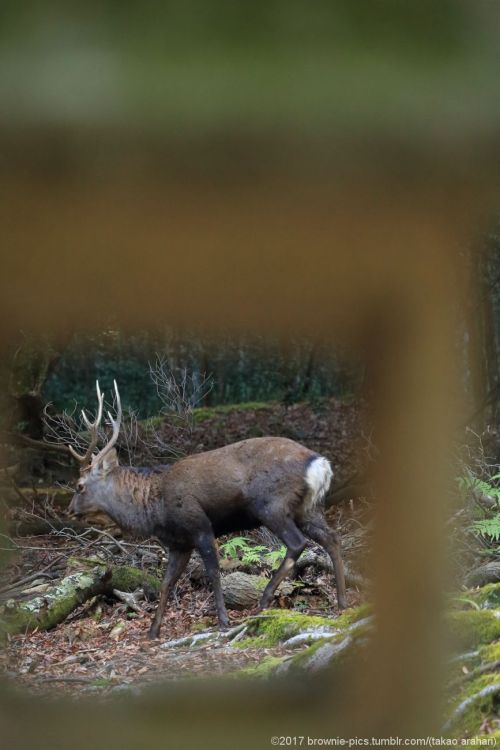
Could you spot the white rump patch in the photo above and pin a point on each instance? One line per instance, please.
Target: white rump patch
(318, 478)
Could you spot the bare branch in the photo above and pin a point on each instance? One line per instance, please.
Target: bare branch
(178, 390)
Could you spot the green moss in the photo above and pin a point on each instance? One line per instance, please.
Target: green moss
(46, 611)
(124, 577)
(200, 627)
(274, 626)
(489, 740)
(128, 578)
(490, 653)
(487, 597)
(202, 413)
(265, 668)
(352, 615)
(103, 682)
(151, 422)
(469, 723)
(474, 627)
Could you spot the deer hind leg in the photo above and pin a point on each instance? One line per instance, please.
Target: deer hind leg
(177, 561)
(295, 542)
(208, 551)
(318, 530)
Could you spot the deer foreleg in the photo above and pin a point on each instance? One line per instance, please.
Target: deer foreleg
(177, 561)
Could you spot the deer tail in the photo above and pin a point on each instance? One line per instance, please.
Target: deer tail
(318, 478)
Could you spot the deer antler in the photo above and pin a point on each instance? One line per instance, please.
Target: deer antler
(93, 428)
(116, 423)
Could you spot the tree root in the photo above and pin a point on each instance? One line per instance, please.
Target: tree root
(486, 692)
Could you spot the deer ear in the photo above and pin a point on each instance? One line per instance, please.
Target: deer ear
(110, 461)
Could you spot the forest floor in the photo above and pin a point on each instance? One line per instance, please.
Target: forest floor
(102, 646)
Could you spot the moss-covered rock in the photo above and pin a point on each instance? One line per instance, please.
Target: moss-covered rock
(473, 628)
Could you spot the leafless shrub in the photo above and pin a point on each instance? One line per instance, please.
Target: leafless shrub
(179, 390)
(148, 441)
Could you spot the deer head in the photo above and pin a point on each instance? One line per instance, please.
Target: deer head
(92, 487)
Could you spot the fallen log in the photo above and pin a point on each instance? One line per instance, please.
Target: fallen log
(59, 600)
(41, 526)
(242, 590)
(46, 611)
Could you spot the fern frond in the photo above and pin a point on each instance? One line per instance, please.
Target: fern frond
(488, 527)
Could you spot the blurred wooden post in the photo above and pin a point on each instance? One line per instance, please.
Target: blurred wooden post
(416, 400)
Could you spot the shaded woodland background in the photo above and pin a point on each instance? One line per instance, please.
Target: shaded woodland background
(241, 369)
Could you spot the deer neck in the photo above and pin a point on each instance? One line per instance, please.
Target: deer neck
(129, 501)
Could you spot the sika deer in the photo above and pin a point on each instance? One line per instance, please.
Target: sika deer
(269, 481)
